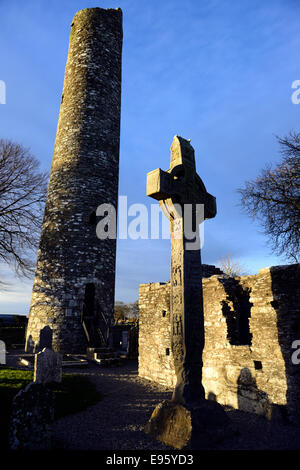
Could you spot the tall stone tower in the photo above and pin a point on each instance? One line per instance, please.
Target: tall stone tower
(75, 272)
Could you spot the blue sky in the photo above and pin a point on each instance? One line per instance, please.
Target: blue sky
(218, 72)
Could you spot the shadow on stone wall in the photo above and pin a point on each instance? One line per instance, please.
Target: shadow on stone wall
(212, 396)
(237, 319)
(250, 398)
(45, 341)
(254, 400)
(286, 292)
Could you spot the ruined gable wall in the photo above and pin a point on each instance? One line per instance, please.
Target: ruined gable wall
(257, 376)
(246, 376)
(155, 334)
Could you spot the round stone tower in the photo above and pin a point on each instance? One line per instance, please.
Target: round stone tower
(75, 273)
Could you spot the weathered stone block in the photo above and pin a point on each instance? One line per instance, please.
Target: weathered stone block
(189, 428)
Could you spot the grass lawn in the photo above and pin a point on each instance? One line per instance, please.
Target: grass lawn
(74, 394)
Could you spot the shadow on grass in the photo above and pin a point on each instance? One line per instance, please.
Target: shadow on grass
(74, 394)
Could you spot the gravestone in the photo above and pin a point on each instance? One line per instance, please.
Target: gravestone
(125, 340)
(31, 419)
(2, 352)
(188, 420)
(46, 335)
(30, 345)
(47, 367)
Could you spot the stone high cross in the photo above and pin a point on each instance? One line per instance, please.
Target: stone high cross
(175, 189)
(188, 420)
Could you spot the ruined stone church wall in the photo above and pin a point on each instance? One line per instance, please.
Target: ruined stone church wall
(155, 355)
(250, 325)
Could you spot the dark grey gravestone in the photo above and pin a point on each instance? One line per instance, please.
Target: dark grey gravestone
(45, 338)
(31, 419)
(178, 423)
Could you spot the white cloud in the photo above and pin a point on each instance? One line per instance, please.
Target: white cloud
(15, 293)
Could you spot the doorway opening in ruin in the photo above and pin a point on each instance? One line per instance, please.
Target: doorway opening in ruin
(89, 298)
(94, 324)
(93, 218)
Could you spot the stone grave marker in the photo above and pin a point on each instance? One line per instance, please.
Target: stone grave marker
(46, 335)
(2, 352)
(47, 367)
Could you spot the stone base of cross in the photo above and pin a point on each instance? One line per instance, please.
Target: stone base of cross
(188, 420)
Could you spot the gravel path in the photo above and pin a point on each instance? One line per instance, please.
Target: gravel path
(117, 421)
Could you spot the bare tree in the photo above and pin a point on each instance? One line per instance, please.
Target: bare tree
(121, 311)
(274, 199)
(22, 196)
(231, 266)
(126, 312)
(135, 310)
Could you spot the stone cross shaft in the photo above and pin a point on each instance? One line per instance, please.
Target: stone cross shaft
(176, 189)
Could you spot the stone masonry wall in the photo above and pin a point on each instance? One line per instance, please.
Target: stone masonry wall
(73, 263)
(155, 355)
(250, 325)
